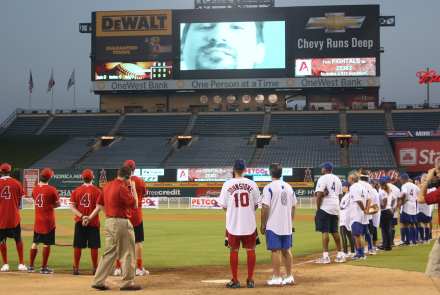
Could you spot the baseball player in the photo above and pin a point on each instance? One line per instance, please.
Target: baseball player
(407, 202)
(359, 219)
(277, 214)
(11, 192)
(329, 189)
(375, 221)
(386, 215)
(374, 199)
(424, 214)
(344, 221)
(82, 203)
(239, 197)
(395, 194)
(46, 199)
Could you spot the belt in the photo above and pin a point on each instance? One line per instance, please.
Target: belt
(117, 217)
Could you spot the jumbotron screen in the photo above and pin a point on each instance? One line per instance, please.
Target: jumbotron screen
(105, 71)
(332, 67)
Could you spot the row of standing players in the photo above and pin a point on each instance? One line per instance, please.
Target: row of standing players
(124, 226)
(356, 219)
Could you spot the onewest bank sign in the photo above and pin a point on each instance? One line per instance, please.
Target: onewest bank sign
(235, 83)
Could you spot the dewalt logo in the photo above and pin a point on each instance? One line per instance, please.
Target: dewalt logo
(133, 23)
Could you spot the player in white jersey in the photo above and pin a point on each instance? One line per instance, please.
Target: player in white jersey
(239, 198)
(359, 219)
(344, 221)
(375, 220)
(364, 178)
(329, 189)
(277, 214)
(386, 213)
(395, 194)
(424, 214)
(407, 202)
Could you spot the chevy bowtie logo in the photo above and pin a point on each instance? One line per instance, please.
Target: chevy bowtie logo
(335, 22)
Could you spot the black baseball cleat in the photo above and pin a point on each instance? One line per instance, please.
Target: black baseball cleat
(250, 283)
(131, 288)
(94, 271)
(406, 244)
(233, 285)
(102, 288)
(46, 270)
(76, 271)
(31, 269)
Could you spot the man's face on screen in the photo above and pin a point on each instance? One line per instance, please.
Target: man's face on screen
(222, 46)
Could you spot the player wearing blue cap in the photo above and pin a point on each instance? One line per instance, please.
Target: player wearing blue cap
(395, 194)
(407, 202)
(386, 213)
(344, 220)
(239, 198)
(329, 190)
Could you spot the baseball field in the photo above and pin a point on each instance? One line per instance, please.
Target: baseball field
(185, 254)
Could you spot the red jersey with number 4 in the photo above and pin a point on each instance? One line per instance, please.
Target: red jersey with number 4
(11, 192)
(45, 197)
(238, 196)
(85, 198)
(136, 214)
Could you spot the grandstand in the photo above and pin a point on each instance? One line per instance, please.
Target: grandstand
(368, 122)
(147, 152)
(292, 123)
(416, 120)
(307, 151)
(26, 125)
(213, 152)
(81, 125)
(372, 151)
(228, 124)
(153, 125)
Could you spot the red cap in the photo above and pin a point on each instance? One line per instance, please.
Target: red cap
(47, 173)
(5, 167)
(130, 163)
(87, 174)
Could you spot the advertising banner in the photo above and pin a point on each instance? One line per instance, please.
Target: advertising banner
(375, 173)
(417, 156)
(30, 179)
(204, 174)
(336, 31)
(214, 184)
(342, 100)
(133, 35)
(430, 133)
(322, 67)
(205, 203)
(208, 192)
(150, 203)
(171, 192)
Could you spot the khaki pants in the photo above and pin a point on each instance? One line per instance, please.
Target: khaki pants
(433, 267)
(120, 242)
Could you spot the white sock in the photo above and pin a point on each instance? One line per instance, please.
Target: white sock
(325, 254)
(340, 254)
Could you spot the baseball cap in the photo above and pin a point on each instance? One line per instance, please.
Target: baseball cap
(354, 170)
(382, 180)
(372, 181)
(87, 174)
(5, 167)
(47, 173)
(239, 164)
(345, 183)
(418, 178)
(327, 165)
(130, 163)
(404, 176)
(388, 178)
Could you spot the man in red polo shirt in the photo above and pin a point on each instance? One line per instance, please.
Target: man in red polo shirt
(117, 203)
(46, 199)
(10, 193)
(433, 268)
(137, 222)
(82, 203)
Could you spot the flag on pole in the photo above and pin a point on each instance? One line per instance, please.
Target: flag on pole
(71, 81)
(31, 83)
(51, 82)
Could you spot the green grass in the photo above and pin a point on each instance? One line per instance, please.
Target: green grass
(173, 243)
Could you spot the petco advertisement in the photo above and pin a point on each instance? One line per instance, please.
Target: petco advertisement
(150, 203)
(205, 203)
(417, 156)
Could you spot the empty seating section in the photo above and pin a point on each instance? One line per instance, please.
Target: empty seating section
(366, 123)
(237, 124)
(145, 152)
(81, 125)
(307, 151)
(65, 155)
(153, 125)
(372, 151)
(25, 125)
(415, 121)
(320, 123)
(213, 152)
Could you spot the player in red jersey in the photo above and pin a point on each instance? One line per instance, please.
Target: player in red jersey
(46, 199)
(11, 192)
(137, 222)
(82, 203)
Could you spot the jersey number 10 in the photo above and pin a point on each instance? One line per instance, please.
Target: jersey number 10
(243, 200)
